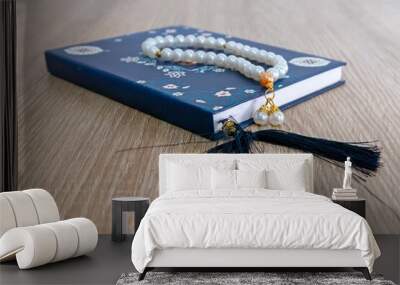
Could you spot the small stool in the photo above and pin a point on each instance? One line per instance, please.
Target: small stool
(138, 205)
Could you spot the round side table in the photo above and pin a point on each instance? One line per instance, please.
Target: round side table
(138, 205)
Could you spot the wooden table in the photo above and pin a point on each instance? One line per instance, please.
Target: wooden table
(69, 137)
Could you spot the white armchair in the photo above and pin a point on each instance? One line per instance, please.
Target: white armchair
(31, 230)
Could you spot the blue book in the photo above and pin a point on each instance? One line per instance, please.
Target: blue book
(192, 96)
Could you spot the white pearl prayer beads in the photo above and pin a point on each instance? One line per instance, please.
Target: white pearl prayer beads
(168, 48)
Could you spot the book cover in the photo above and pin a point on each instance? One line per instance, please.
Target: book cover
(192, 96)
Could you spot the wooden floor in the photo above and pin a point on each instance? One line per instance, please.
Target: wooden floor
(106, 264)
(69, 137)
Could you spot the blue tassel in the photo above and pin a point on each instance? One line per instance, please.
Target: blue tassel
(364, 155)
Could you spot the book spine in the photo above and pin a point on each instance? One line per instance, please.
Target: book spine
(133, 94)
(336, 197)
(344, 193)
(340, 190)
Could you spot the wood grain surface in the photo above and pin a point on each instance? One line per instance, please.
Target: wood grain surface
(69, 138)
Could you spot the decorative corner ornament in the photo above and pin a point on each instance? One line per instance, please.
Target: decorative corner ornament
(84, 50)
(309, 61)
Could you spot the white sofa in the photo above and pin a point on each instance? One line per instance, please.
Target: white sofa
(31, 230)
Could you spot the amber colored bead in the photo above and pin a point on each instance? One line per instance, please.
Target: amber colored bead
(267, 80)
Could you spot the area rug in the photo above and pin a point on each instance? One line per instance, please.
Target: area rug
(244, 278)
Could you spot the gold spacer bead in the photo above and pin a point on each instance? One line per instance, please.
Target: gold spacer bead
(229, 127)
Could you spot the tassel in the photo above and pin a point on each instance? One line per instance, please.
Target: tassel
(364, 155)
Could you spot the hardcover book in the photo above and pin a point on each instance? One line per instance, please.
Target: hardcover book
(192, 96)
